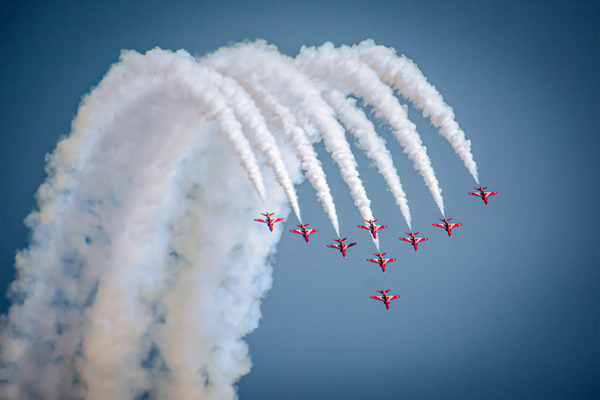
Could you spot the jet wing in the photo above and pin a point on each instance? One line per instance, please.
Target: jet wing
(312, 231)
(364, 227)
(492, 193)
(334, 246)
(389, 260)
(394, 297)
(377, 298)
(454, 225)
(417, 240)
(352, 244)
(278, 219)
(381, 226)
(442, 226)
(261, 220)
(406, 240)
(295, 231)
(372, 260)
(475, 194)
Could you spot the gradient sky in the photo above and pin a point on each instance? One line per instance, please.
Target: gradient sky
(508, 307)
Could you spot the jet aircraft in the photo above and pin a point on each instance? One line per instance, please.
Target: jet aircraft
(304, 231)
(372, 227)
(342, 247)
(269, 221)
(385, 298)
(483, 194)
(448, 227)
(381, 261)
(414, 240)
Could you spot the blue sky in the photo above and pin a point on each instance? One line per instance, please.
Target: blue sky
(507, 308)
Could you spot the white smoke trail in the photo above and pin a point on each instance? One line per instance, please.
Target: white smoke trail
(334, 138)
(233, 129)
(259, 62)
(146, 267)
(344, 67)
(250, 117)
(304, 150)
(410, 81)
(355, 120)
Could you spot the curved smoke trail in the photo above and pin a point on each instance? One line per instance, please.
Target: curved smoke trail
(355, 120)
(146, 267)
(260, 65)
(304, 150)
(410, 81)
(250, 117)
(343, 67)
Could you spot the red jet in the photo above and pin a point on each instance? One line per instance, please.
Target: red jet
(372, 227)
(483, 194)
(448, 227)
(342, 247)
(414, 240)
(304, 231)
(382, 261)
(269, 221)
(385, 298)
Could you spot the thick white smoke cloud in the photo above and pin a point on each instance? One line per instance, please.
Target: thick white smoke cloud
(146, 267)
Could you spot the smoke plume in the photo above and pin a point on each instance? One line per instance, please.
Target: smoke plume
(146, 268)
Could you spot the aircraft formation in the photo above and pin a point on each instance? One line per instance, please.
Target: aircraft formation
(372, 227)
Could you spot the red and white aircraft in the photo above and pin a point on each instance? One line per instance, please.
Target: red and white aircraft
(269, 221)
(414, 240)
(448, 227)
(483, 194)
(304, 231)
(385, 298)
(342, 247)
(382, 261)
(372, 227)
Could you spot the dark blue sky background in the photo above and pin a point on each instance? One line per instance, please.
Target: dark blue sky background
(508, 307)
